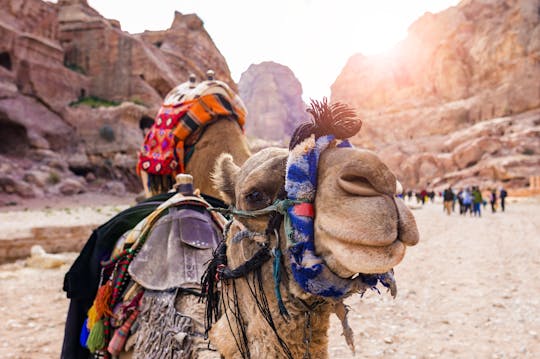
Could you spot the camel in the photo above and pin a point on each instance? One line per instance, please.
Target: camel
(359, 232)
(221, 134)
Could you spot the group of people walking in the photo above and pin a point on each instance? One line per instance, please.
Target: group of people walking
(471, 200)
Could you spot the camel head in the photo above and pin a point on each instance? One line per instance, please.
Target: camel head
(357, 225)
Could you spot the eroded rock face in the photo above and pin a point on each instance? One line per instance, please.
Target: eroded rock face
(273, 97)
(471, 63)
(501, 151)
(52, 55)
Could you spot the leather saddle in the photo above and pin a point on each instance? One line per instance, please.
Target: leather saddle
(177, 249)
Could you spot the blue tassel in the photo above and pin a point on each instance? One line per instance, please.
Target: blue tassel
(84, 333)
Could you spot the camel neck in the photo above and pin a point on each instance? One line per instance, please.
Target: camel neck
(223, 136)
(309, 337)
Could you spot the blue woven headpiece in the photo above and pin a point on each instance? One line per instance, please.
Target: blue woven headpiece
(309, 270)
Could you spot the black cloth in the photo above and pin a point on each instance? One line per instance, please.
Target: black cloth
(82, 279)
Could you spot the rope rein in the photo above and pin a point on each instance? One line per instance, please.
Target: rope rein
(219, 270)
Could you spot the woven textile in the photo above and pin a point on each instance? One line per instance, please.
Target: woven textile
(309, 270)
(163, 149)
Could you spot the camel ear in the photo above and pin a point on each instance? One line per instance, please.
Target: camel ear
(224, 177)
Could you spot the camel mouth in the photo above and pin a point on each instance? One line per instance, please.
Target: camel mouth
(366, 235)
(348, 259)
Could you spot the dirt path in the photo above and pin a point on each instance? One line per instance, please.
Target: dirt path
(469, 289)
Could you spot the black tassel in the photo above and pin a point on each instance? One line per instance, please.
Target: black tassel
(209, 285)
(336, 119)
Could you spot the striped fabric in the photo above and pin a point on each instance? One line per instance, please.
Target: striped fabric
(308, 269)
(201, 112)
(163, 150)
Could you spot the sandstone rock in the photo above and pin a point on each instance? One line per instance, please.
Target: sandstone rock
(58, 164)
(6, 167)
(38, 178)
(56, 54)
(7, 89)
(187, 44)
(476, 52)
(20, 114)
(43, 260)
(121, 160)
(273, 97)
(90, 177)
(123, 120)
(469, 153)
(38, 142)
(114, 187)
(7, 184)
(78, 162)
(70, 186)
(460, 90)
(24, 189)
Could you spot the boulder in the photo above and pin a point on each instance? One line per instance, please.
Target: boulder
(40, 259)
(37, 178)
(70, 186)
(116, 188)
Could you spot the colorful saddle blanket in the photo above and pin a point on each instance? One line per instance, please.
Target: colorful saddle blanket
(163, 149)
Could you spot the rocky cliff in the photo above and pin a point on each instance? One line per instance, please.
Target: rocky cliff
(273, 97)
(442, 106)
(73, 87)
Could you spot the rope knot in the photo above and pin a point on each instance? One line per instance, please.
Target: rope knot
(282, 205)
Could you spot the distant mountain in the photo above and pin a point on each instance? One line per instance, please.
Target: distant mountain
(429, 106)
(273, 97)
(55, 61)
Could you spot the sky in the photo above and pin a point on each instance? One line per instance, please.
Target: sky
(314, 38)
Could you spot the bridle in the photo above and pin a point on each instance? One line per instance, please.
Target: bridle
(283, 210)
(277, 212)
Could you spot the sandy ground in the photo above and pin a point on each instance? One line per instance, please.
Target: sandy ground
(85, 209)
(469, 289)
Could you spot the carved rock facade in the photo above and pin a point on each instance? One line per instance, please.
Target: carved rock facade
(53, 55)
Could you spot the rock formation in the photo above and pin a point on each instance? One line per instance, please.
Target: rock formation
(273, 97)
(54, 59)
(442, 104)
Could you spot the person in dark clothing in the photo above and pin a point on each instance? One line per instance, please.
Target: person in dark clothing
(502, 196)
(460, 201)
(448, 197)
(493, 200)
(423, 195)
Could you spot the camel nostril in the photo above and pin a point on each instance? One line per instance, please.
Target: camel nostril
(356, 185)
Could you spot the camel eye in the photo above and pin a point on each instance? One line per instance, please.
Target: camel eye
(255, 197)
